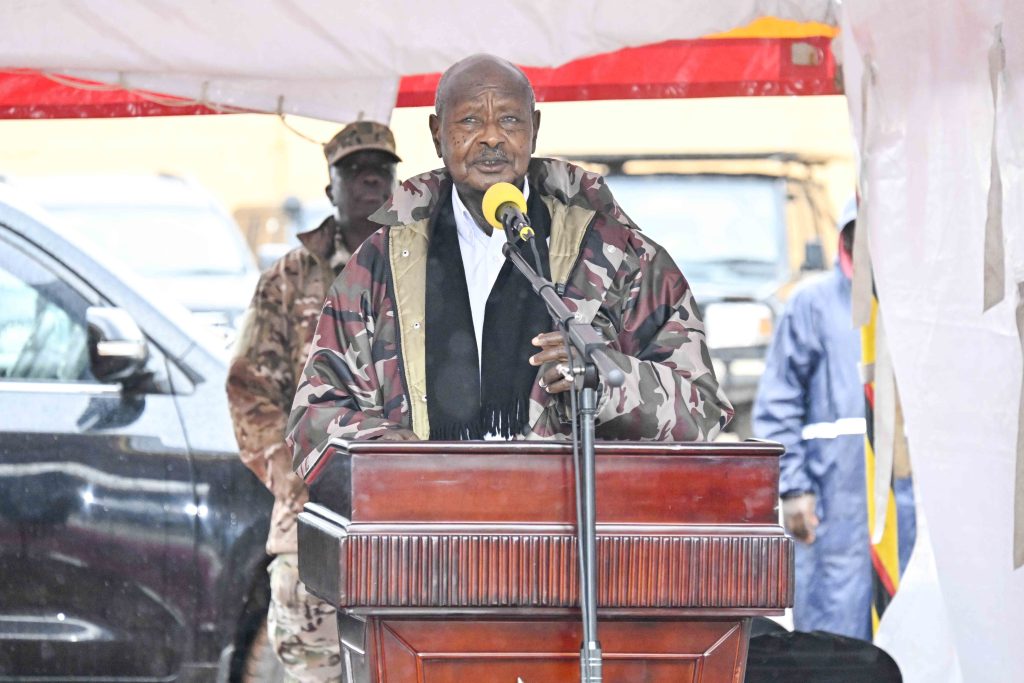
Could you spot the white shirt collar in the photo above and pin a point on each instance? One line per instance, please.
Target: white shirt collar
(467, 227)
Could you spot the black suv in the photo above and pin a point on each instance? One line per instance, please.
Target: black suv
(131, 536)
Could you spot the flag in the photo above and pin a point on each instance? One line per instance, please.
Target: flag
(881, 433)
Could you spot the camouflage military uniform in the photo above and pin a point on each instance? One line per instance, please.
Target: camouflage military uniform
(268, 359)
(366, 373)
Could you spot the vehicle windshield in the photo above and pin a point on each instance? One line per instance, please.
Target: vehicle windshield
(714, 226)
(161, 241)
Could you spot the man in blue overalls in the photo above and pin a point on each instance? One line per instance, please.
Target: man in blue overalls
(811, 399)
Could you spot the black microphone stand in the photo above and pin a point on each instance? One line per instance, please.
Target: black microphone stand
(592, 349)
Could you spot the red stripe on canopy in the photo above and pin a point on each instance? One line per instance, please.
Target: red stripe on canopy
(32, 95)
(707, 67)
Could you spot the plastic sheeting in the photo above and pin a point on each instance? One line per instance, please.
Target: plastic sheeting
(926, 131)
(26, 94)
(712, 67)
(918, 80)
(333, 60)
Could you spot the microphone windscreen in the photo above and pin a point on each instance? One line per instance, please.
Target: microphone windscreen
(498, 194)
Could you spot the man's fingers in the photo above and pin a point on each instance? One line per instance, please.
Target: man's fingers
(800, 517)
(552, 348)
(549, 355)
(399, 435)
(796, 527)
(812, 527)
(549, 339)
(556, 379)
(806, 524)
(559, 386)
(801, 526)
(551, 376)
(807, 535)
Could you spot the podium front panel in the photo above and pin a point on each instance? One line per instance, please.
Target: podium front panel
(532, 651)
(462, 557)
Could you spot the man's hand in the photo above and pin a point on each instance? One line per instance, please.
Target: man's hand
(800, 518)
(400, 434)
(552, 344)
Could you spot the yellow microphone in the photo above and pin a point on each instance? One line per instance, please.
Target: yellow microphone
(504, 205)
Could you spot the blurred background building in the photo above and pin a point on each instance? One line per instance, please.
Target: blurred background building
(742, 191)
(255, 161)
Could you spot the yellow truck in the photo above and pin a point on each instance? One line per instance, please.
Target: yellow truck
(744, 229)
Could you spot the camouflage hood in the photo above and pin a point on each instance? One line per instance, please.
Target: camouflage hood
(569, 184)
(366, 372)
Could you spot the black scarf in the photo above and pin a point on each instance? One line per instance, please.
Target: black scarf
(462, 401)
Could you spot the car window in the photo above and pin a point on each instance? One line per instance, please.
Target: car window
(161, 241)
(42, 323)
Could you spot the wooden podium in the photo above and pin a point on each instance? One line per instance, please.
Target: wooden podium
(461, 557)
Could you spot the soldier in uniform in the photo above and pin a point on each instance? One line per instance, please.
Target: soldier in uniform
(429, 334)
(265, 369)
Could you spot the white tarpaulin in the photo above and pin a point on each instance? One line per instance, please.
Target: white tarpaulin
(335, 60)
(924, 112)
(928, 142)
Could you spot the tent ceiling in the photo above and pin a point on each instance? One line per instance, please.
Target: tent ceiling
(673, 69)
(319, 58)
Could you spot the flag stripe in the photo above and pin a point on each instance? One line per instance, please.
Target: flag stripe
(884, 554)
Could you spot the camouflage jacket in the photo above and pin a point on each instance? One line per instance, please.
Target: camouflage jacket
(267, 362)
(365, 373)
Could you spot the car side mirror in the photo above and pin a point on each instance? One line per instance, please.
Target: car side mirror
(118, 350)
(814, 256)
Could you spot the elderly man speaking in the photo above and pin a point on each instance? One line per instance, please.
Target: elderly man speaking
(430, 334)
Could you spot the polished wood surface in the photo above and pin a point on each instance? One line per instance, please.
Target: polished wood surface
(640, 651)
(463, 556)
(644, 483)
(471, 566)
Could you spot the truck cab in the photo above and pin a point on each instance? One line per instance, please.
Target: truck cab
(744, 229)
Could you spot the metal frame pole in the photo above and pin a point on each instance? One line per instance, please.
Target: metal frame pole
(592, 349)
(590, 650)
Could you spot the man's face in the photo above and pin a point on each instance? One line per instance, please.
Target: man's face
(846, 249)
(486, 134)
(360, 183)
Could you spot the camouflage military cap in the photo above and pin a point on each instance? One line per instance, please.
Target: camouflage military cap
(358, 136)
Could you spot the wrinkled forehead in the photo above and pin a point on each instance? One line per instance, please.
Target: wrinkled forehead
(477, 95)
(486, 81)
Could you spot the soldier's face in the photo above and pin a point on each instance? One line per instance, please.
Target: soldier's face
(486, 132)
(361, 183)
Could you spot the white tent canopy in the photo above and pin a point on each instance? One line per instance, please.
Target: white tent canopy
(924, 118)
(332, 60)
